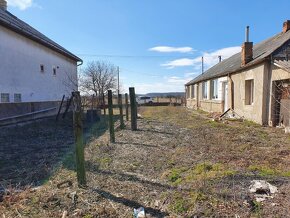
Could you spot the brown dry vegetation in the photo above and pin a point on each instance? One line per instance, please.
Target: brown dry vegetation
(178, 164)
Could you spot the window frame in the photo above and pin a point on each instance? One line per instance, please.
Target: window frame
(204, 90)
(188, 91)
(249, 91)
(214, 85)
(41, 68)
(7, 97)
(192, 91)
(19, 97)
(54, 70)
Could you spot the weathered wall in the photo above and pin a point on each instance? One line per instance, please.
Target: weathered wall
(252, 112)
(20, 69)
(210, 105)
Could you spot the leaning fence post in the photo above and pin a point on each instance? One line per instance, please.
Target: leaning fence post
(127, 106)
(60, 107)
(133, 108)
(78, 131)
(122, 125)
(111, 121)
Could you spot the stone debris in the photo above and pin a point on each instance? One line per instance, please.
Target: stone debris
(262, 190)
(139, 213)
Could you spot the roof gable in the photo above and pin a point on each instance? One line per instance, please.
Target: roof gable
(11, 22)
(261, 51)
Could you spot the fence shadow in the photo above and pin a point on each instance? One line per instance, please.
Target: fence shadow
(130, 203)
(29, 153)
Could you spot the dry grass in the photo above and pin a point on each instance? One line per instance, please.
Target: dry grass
(179, 164)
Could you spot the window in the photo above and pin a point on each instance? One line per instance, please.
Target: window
(54, 71)
(5, 97)
(187, 92)
(192, 91)
(204, 90)
(214, 89)
(17, 97)
(249, 92)
(42, 68)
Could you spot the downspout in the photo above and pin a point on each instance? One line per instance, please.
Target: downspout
(81, 63)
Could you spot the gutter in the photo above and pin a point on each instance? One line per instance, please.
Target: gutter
(81, 63)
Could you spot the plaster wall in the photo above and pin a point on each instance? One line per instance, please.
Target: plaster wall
(20, 71)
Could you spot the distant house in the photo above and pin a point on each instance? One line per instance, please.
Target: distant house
(255, 83)
(35, 71)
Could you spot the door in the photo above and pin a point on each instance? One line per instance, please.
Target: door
(225, 96)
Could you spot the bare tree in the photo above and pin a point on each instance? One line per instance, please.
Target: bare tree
(97, 78)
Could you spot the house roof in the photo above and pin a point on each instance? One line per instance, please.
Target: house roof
(261, 51)
(11, 22)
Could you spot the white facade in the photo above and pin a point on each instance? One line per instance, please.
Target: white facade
(20, 70)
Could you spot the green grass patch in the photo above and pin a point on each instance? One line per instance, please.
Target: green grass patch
(174, 176)
(208, 170)
(263, 170)
(249, 123)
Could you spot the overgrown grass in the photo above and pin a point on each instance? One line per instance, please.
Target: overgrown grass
(263, 170)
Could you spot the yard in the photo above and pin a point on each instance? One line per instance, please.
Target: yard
(178, 164)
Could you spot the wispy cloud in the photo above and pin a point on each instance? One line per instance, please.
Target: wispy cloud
(168, 49)
(183, 62)
(210, 58)
(176, 80)
(21, 4)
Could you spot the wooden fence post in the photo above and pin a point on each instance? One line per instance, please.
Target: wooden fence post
(127, 106)
(133, 108)
(122, 125)
(78, 132)
(104, 103)
(60, 107)
(111, 121)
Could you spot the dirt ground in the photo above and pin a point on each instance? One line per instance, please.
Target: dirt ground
(178, 164)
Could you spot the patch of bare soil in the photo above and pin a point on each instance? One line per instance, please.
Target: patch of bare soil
(178, 164)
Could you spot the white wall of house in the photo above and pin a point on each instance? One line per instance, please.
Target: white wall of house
(20, 71)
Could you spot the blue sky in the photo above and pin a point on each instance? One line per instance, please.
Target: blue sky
(157, 44)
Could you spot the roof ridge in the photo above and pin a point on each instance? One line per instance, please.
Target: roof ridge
(232, 64)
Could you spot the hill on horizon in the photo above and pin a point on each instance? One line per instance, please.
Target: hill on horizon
(163, 94)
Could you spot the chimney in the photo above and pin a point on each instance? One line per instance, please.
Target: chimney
(247, 49)
(286, 26)
(3, 5)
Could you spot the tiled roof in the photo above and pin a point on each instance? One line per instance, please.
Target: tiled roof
(11, 22)
(261, 51)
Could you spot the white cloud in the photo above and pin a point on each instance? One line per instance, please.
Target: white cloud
(183, 62)
(21, 4)
(176, 80)
(210, 58)
(168, 49)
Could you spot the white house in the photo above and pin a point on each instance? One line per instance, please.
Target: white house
(35, 71)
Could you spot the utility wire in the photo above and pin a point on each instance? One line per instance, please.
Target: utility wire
(134, 56)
